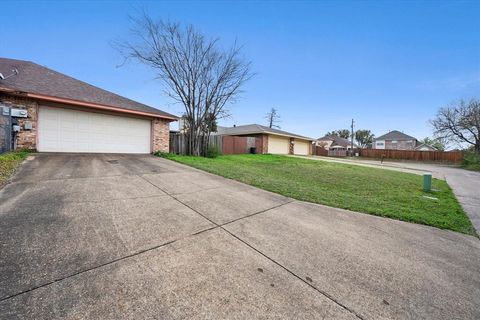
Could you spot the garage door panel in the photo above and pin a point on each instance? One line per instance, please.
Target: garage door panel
(278, 145)
(301, 147)
(65, 130)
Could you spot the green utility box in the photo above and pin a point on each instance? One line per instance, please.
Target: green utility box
(427, 182)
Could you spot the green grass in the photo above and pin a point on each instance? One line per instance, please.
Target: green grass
(380, 192)
(8, 163)
(471, 161)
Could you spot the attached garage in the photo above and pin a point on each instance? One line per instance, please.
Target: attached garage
(301, 147)
(278, 144)
(63, 114)
(270, 140)
(67, 130)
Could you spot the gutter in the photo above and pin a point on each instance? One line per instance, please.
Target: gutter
(84, 104)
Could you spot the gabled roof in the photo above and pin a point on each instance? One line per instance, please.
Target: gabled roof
(337, 141)
(425, 145)
(39, 81)
(395, 135)
(255, 129)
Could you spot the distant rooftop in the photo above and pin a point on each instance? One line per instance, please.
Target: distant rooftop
(395, 135)
(337, 141)
(256, 129)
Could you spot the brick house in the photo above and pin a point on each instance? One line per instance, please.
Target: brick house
(64, 114)
(334, 142)
(265, 140)
(395, 140)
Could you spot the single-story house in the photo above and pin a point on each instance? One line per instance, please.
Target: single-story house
(425, 147)
(269, 140)
(57, 113)
(395, 140)
(334, 142)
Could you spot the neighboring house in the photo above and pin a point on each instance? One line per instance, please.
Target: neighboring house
(269, 140)
(395, 140)
(334, 142)
(425, 147)
(64, 114)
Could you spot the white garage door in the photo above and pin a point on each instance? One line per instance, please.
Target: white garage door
(278, 145)
(65, 130)
(301, 147)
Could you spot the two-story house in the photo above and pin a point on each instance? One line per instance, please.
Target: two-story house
(395, 140)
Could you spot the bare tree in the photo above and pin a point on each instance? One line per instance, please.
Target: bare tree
(273, 117)
(459, 122)
(194, 70)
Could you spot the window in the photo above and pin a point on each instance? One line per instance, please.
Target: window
(380, 144)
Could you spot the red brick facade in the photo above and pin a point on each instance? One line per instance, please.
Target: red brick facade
(401, 144)
(26, 139)
(160, 135)
(265, 143)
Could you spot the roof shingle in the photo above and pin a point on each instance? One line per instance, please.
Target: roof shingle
(254, 129)
(34, 78)
(395, 135)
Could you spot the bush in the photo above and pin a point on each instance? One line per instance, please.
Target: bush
(161, 154)
(213, 152)
(471, 160)
(9, 162)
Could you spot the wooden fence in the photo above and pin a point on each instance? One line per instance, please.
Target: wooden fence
(178, 143)
(319, 151)
(426, 156)
(226, 144)
(433, 156)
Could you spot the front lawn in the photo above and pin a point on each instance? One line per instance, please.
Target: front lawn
(8, 163)
(380, 192)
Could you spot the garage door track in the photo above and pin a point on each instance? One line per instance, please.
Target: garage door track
(139, 237)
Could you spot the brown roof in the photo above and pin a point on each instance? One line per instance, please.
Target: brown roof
(395, 135)
(337, 141)
(36, 79)
(255, 129)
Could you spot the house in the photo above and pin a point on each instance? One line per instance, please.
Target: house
(425, 147)
(395, 140)
(268, 140)
(57, 113)
(334, 142)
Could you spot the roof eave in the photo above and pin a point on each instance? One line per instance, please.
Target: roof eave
(85, 104)
(266, 132)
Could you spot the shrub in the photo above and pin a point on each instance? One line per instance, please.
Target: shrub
(212, 152)
(163, 154)
(9, 162)
(471, 160)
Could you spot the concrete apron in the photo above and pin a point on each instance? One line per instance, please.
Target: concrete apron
(83, 236)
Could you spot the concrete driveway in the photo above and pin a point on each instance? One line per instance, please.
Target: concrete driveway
(139, 237)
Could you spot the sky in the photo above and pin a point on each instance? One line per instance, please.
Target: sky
(389, 65)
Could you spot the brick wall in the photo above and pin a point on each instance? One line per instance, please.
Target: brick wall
(265, 144)
(26, 139)
(160, 135)
(401, 145)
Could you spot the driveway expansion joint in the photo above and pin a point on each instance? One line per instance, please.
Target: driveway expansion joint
(221, 226)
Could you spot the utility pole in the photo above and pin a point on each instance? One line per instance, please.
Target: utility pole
(351, 150)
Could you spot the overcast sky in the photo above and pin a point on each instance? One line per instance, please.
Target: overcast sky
(389, 65)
